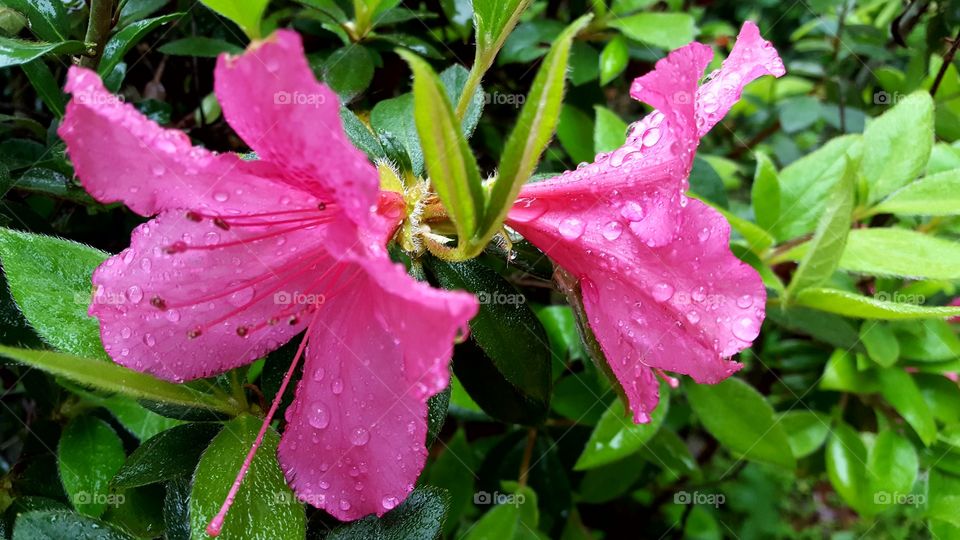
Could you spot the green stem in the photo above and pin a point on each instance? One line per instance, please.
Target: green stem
(480, 66)
(98, 29)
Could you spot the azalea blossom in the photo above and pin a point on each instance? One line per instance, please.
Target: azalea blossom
(243, 255)
(660, 287)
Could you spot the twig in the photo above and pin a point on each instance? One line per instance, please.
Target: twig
(98, 28)
(947, 60)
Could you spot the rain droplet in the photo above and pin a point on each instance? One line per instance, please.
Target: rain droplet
(612, 230)
(571, 228)
(746, 328)
(359, 436)
(336, 387)
(527, 209)
(319, 417)
(389, 503)
(744, 301)
(632, 211)
(662, 292)
(221, 196)
(135, 294)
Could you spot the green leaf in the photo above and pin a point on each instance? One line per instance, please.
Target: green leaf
(765, 194)
(449, 161)
(806, 185)
(609, 131)
(48, 18)
(584, 63)
(360, 135)
(901, 252)
(114, 378)
(841, 374)
(861, 307)
(806, 431)
(170, 454)
(533, 131)
(575, 131)
(846, 459)
(453, 471)
(348, 71)
(245, 13)
(897, 144)
(613, 60)
(506, 365)
(665, 30)
(942, 396)
(421, 515)
(882, 345)
(944, 492)
(494, 20)
(891, 467)
(901, 392)
(934, 195)
(124, 40)
(141, 422)
(825, 249)
(515, 518)
(265, 507)
(90, 453)
(199, 46)
(51, 524)
(14, 52)
(46, 85)
(738, 416)
(395, 116)
(617, 436)
(50, 280)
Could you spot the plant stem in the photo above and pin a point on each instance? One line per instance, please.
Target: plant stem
(480, 66)
(98, 28)
(947, 60)
(527, 457)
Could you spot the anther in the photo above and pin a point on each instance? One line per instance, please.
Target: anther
(221, 224)
(293, 320)
(242, 331)
(322, 206)
(177, 247)
(193, 216)
(158, 302)
(195, 333)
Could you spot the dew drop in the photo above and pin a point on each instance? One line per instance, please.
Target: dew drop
(336, 387)
(527, 209)
(221, 196)
(612, 230)
(744, 301)
(344, 505)
(571, 228)
(135, 294)
(746, 328)
(389, 503)
(318, 416)
(359, 436)
(632, 211)
(662, 292)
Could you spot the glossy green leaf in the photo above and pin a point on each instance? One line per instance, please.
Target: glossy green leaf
(863, 307)
(48, 18)
(50, 280)
(200, 47)
(944, 497)
(892, 465)
(46, 86)
(846, 459)
(609, 131)
(897, 144)
(533, 131)
(494, 20)
(806, 431)
(453, 470)
(941, 395)
(14, 52)
(516, 517)
(449, 161)
(170, 454)
(841, 374)
(265, 507)
(584, 63)
(245, 13)
(665, 30)
(881, 343)
(741, 419)
(823, 254)
(901, 252)
(115, 378)
(616, 436)
(613, 60)
(348, 71)
(901, 392)
(89, 454)
(934, 195)
(124, 40)
(765, 193)
(421, 515)
(360, 135)
(506, 365)
(55, 524)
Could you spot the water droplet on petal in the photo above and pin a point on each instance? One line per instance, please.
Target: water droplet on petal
(359, 436)
(389, 503)
(744, 301)
(746, 328)
(612, 230)
(318, 416)
(221, 196)
(662, 292)
(571, 228)
(528, 209)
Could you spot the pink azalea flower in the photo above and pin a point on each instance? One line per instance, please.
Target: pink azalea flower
(660, 286)
(244, 255)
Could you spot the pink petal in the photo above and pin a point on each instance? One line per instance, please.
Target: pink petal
(273, 101)
(150, 301)
(660, 286)
(354, 443)
(120, 155)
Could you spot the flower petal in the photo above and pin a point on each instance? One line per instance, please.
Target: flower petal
(221, 299)
(120, 155)
(354, 443)
(660, 286)
(273, 101)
